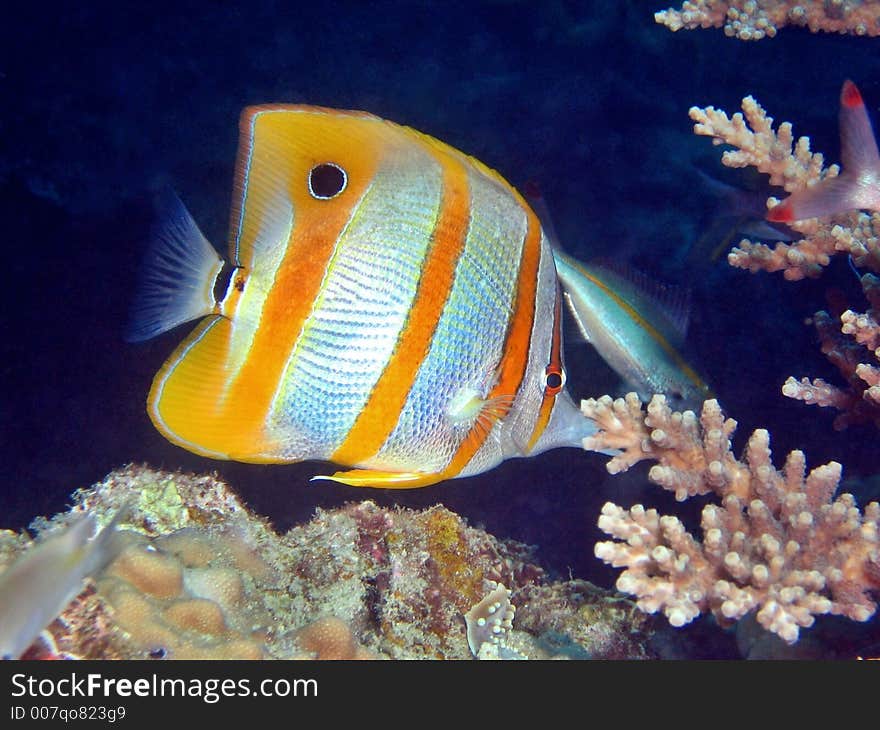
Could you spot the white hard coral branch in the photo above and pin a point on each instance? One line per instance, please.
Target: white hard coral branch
(854, 348)
(779, 543)
(751, 20)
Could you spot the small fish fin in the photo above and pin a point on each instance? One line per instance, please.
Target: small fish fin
(856, 187)
(382, 479)
(177, 275)
(665, 306)
(858, 146)
(493, 410)
(108, 543)
(490, 412)
(479, 414)
(668, 306)
(832, 195)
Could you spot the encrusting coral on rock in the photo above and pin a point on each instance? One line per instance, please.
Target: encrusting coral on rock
(201, 577)
(780, 543)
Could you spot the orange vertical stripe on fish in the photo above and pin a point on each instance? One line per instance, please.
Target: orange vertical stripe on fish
(516, 341)
(381, 412)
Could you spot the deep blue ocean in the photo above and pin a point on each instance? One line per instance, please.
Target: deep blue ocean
(104, 104)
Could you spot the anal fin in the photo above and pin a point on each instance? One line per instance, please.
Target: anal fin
(382, 479)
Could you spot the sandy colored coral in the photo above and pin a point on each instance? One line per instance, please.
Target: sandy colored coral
(854, 348)
(791, 165)
(756, 19)
(330, 638)
(780, 543)
(167, 605)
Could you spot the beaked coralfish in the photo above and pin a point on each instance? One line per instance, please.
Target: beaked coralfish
(388, 303)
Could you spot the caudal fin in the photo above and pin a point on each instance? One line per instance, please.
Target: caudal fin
(177, 275)
(857, 186)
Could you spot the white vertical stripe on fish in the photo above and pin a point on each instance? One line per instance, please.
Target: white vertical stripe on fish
(468, 342)
(362, 306)
(249, 307)
(517, 426)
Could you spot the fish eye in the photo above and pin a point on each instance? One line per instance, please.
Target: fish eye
(327, 181)
(554, 379)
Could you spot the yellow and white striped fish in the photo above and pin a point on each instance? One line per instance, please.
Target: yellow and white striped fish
(389, 304)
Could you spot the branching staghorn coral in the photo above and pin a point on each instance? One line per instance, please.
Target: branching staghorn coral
(779, 543)
(792, 166)
(752, 20)
(855, 348)
(845, 347)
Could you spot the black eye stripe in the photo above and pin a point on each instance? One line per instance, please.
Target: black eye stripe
(327, 180)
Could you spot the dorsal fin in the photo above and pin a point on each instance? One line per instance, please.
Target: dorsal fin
(666, 306)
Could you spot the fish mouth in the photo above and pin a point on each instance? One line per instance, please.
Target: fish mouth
(226, 279)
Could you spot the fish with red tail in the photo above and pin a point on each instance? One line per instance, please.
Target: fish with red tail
(857, 187)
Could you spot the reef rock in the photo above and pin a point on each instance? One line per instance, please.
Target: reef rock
(201, 577)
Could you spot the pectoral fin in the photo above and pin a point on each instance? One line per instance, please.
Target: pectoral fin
(383, 479)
